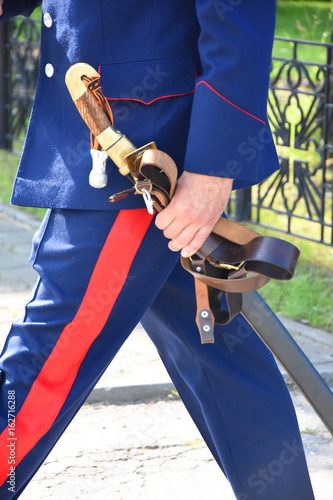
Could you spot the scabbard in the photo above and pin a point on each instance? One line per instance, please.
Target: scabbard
(279, 341)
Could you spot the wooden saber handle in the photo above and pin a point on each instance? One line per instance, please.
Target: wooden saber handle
(92, 113)
(84, 100)
(112, 141)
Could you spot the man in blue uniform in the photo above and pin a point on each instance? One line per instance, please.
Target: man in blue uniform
(193, 77)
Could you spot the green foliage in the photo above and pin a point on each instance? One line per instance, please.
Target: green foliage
(37, 13)
(305, 20)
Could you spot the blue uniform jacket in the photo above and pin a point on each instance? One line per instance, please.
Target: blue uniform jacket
(192, 75)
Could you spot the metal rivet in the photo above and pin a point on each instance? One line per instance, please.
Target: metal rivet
(204, 314)
(47, 20)
(49, 70)
(206, 328)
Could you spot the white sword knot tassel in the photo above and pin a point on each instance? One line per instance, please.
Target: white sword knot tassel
(98, 177)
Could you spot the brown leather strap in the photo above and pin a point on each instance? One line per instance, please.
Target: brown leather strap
(204, 319)
(161, 170)
(242, 267)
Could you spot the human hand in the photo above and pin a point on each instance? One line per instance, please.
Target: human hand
(196, 206)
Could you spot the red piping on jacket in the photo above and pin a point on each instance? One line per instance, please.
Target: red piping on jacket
(229, 102)
(150, 102)
(186, 93)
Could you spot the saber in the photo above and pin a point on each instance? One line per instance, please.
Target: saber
(234, 260)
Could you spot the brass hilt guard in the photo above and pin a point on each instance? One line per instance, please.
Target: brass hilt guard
(118, 147)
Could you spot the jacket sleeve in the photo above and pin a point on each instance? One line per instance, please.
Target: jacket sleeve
(16, 7)
(229, 135)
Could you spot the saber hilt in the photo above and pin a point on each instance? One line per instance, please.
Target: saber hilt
(116, 145)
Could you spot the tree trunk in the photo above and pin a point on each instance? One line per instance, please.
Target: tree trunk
(330, 94)
(5, 142)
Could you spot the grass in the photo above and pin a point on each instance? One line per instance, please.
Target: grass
(304, 21)
(313, 432)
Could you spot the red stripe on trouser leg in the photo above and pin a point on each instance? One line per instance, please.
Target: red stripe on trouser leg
(51, 387)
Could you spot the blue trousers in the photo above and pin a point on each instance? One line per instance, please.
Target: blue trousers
(100, 273)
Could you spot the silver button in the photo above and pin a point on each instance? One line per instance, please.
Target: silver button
(49, 70)
(47, 20)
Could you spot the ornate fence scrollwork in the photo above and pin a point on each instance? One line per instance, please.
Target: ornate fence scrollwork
(298, 198)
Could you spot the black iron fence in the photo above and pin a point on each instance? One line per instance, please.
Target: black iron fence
(297, 199)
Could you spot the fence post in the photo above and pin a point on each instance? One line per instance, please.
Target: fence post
(243, 204)
(5, 132)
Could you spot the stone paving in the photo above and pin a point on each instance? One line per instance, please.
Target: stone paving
(133, 439)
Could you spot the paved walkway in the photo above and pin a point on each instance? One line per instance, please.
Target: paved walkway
(133, 438)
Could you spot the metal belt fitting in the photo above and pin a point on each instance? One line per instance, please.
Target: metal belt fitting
(223, 265)
(144, 187)
(230, 266)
